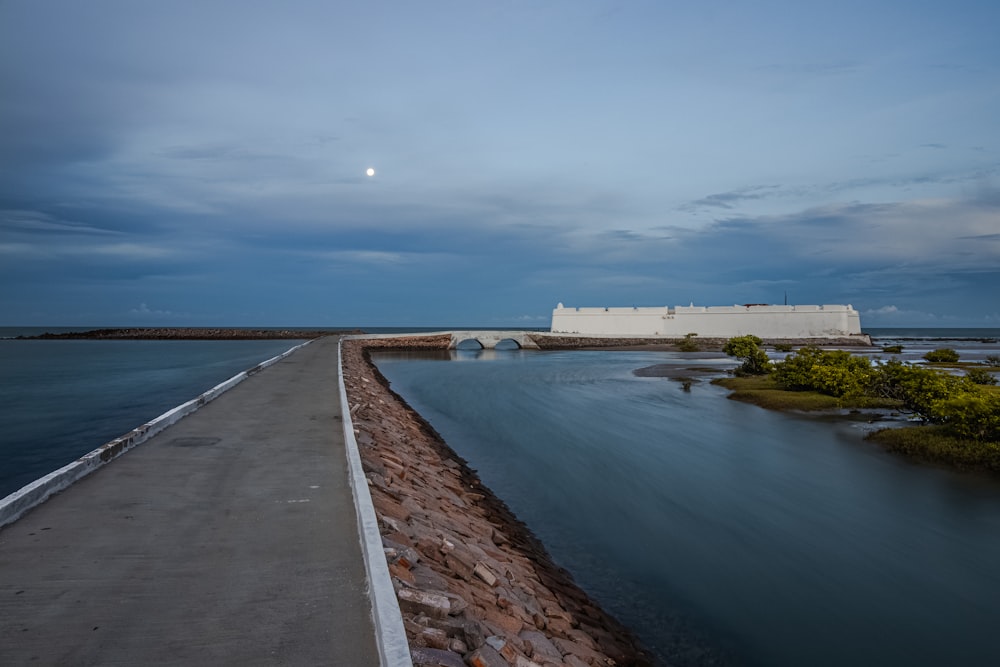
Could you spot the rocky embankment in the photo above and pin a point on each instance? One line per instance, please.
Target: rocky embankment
(474, 585)
(188, 333)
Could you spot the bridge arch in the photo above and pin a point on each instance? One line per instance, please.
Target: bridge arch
(488, 340)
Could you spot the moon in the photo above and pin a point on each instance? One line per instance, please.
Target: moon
(370, 171)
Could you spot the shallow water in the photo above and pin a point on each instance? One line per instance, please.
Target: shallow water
(721, 532)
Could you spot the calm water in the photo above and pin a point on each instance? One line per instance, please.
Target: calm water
(62, 399)
(717, 530)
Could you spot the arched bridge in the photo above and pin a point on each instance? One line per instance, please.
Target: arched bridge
(489, 339)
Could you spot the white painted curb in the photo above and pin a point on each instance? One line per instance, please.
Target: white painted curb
(394, 651)
(14, 506)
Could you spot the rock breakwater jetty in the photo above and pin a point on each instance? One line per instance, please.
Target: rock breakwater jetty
(475, 587)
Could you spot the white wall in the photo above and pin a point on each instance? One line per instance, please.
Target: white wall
(827, 321)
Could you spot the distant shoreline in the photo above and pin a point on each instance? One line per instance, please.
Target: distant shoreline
(191, 333)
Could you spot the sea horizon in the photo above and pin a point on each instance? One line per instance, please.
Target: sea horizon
(874, 331)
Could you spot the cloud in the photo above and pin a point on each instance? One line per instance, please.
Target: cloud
(214, 152)
(527, 319)
(811, 70)
(143, 309)
(217, 152)
(375, 257)
(730, 199)
(38, 221)
(892, 232)
(884, 310)
(892, 316)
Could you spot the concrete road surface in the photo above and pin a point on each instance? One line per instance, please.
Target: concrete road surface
(228, 539)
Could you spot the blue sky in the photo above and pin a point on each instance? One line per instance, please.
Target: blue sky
(203, 163)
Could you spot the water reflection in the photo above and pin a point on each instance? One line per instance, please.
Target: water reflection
(721, 532)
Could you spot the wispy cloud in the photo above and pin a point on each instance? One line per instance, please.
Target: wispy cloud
(144, 310)
(215, 152)
(814, 69)
(38, 221)
(730, 199)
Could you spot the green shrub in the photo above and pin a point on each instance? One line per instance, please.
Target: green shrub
(795, 372)
(892, 349)
(915, 387)
(833, 372)
(971, 414)
(689, 344)
(965, 409)
(942, 355)
(782, 347)
(980, 376)
(992, 360)
(747, 349)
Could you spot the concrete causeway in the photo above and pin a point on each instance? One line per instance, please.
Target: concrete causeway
(230, 538)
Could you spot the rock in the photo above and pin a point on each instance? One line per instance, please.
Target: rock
(461, 562)
(434, 638)
(507, 624)
(403, 574)
(423, 602)
(569, 647)
(498, 537)
(509, 649)
(538, 645)
(496, 642)
(521, 661)
(474, 635)
(430, 657)
(486, 656)
(485, 574)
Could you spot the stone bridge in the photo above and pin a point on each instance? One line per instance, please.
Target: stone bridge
(489, 339)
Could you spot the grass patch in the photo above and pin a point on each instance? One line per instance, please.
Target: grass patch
(747, 383)
(935, 444)
(765, 392)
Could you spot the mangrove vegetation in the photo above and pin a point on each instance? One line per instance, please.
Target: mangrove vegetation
(958, 415)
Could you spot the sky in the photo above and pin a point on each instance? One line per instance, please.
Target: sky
(204, 163)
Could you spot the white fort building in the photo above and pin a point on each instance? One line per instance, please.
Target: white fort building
(768, 322)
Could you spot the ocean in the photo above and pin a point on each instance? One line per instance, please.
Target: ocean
(64, 398)
(722, 533)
